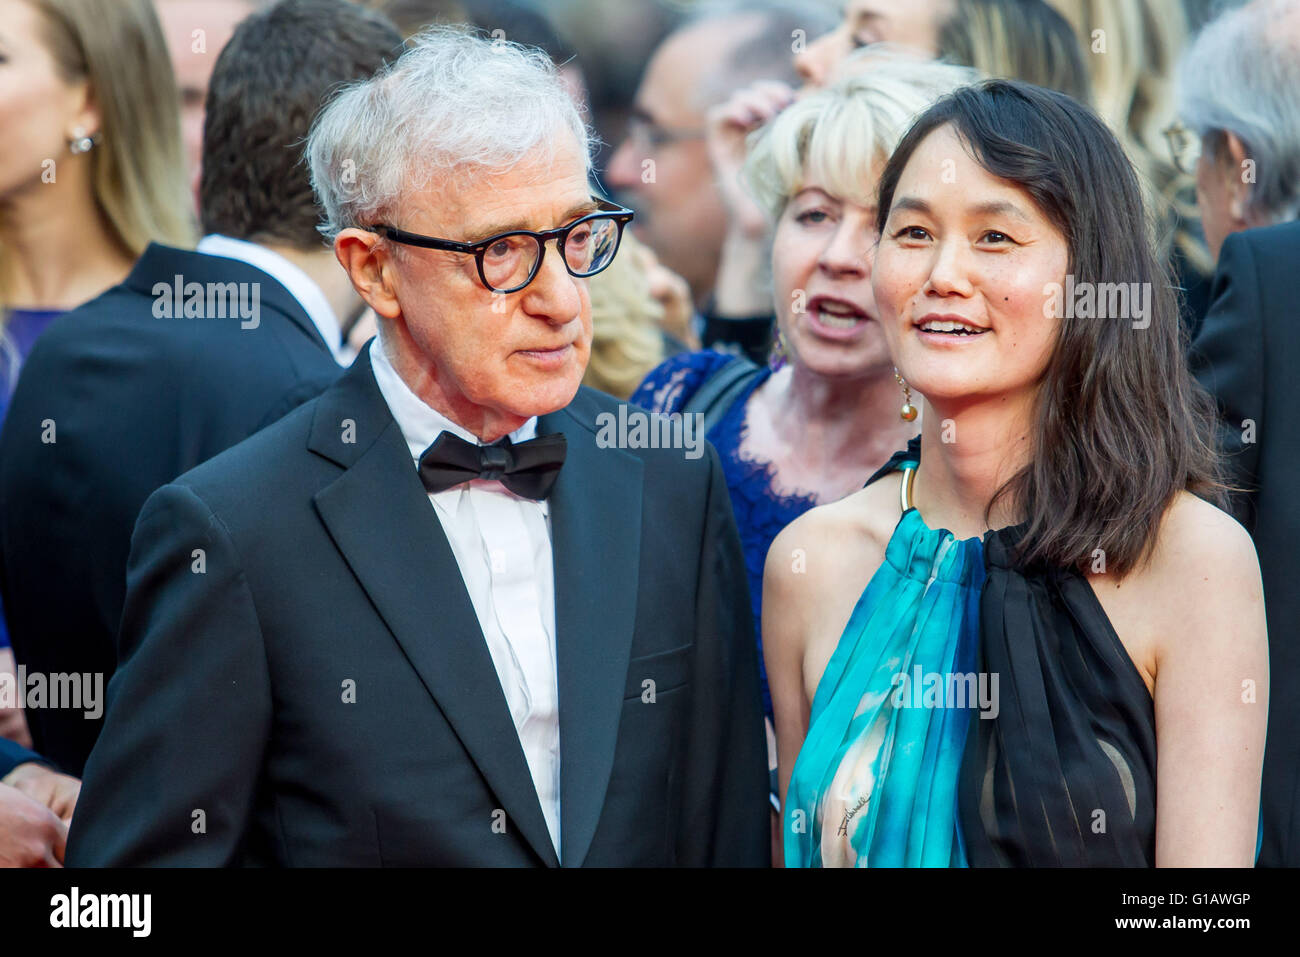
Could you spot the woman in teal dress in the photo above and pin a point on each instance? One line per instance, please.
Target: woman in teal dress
(977, 659)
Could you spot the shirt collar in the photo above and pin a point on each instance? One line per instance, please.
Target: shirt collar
(421, 424)
(300, 285)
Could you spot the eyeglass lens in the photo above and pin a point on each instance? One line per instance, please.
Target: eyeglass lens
(510, 261)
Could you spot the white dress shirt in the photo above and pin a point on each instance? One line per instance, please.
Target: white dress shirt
(300, 285)
(502, 543)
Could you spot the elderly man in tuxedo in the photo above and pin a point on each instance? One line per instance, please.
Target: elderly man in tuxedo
(430, 618)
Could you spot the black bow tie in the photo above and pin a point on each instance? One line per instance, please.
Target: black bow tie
(528, 469)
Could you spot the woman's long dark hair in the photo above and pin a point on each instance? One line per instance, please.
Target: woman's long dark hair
(1119, 426)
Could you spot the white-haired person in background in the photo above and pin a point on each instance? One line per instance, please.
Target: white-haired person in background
(446, 615)
(1240, 93)
(1239, 108)
(815, 423)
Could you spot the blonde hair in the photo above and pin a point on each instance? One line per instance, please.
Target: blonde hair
(1133, 86)
(137, 167)
(1017, 40)
(627, 341)
(137, 164)
(839, 134)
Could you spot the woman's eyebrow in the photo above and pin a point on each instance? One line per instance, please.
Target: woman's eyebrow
(912, 204)
(810, 189)
(993, 208)
(999, 208)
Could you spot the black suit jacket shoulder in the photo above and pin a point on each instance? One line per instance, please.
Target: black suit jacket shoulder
(114, 401)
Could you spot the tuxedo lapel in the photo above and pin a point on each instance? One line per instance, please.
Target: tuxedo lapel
(379, 516)
(596, 542)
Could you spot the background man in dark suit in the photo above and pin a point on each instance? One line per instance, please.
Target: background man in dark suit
(411, 642)
(1247, 355)
(191, 354)
(1239, 94)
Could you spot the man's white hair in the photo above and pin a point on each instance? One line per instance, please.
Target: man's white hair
(1242, 75)
(454, 103)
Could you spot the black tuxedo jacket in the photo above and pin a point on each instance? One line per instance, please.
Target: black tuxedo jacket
(131, 401)
(1247, 354)
(321, 690)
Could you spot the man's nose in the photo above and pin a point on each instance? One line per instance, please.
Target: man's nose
(553, 295)
(624, 166)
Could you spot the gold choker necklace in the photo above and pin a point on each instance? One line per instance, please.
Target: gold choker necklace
(905, 488)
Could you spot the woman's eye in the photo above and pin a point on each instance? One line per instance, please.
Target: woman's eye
(916, 233)
(994, 236)
(812, 216)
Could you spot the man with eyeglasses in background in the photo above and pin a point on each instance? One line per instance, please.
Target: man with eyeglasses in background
(662, 165)
(439, 620)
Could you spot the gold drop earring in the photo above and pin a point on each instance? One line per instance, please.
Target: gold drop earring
(908, 412)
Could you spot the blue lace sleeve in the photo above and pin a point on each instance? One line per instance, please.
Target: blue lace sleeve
(670, 385)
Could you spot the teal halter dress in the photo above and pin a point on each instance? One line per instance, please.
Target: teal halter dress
(974, 713)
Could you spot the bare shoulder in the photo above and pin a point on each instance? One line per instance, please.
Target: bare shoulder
(1202, 584)
(816, 569)
(1200, 544)
(822, 541)
(1199, 586)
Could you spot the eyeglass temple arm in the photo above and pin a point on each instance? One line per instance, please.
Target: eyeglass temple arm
(427, 242)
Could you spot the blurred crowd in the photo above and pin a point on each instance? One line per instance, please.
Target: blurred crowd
(747, 137)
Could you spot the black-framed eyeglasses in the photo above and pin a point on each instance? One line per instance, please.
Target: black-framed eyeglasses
(649, 135)
(507, 262)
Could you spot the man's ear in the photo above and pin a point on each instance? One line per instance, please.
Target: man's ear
(367, 263)
(1238, 188)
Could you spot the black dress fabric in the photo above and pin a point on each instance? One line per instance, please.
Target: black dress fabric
(1065, 774)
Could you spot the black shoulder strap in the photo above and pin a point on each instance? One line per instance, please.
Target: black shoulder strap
(910, 454)
(721, 390)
